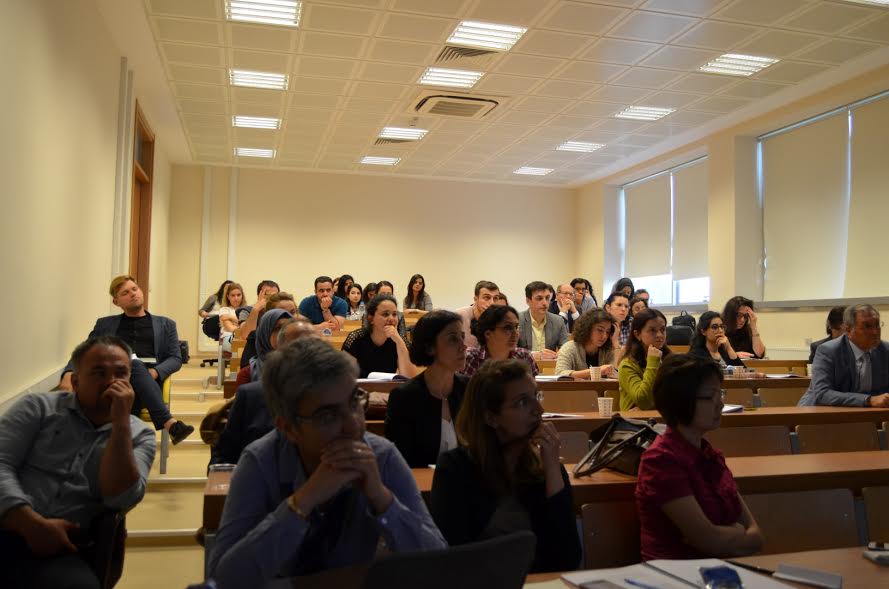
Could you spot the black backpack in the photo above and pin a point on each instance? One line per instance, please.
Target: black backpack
(210, 327)
(685, 319)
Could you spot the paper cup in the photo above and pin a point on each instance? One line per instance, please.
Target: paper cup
(605, 406)
(595, 372)
(808, 370)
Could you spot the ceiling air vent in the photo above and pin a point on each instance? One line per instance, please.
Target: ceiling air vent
(465, 57)
(455, 105)
(381, 141)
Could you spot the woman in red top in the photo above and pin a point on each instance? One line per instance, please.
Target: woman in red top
(688, 502)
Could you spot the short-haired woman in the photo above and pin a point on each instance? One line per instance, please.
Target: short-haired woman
(592, 346)
(497, 332)
(319, 492)
(688, 502)
(741, 328)
(379, 347)
(420, 414)
(417, 297)
(710, 341)
(641, 359)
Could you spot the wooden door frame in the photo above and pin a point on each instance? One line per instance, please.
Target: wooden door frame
(141, 198)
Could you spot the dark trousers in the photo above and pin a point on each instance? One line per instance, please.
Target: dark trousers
(148, 395)
(20, 569)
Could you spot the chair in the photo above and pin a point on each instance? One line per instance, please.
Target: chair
(109, 532)
(680, 335)
(765, 440)
(568, 401)
(739, 397)
(876, 503)
(677, 349)
(837, 437)
(610, 534)
(780, 397)
(805, 520)
(165, 435)
(499, 563)
(574, 446)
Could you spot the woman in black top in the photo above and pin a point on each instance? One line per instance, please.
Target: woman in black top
(710, 341)
(741, 328)
(506, 475)
(379, 347)
(420, 414)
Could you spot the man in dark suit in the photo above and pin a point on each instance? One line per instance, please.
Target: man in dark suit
(540, 331)
(564, 305)
(154, 342)
(852, 369)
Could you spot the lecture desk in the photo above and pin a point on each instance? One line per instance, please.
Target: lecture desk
(754, 474)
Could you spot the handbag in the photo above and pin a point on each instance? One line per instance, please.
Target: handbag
(685, 319)
(618, 445)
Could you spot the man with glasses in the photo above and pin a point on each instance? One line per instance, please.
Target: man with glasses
(564, 305)
(318, 492)
(853, 369)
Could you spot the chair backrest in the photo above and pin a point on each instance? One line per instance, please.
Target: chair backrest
(614, 394)
(570, 401)
(109, 532)
(876, 503)
(575, 445)
(837, 437)
(805, 520)
(760, 440)
(680, 335)
(610, 534)
(499, 563)
(780, 397)
(677, 349)
(547, 367)
(739, 397)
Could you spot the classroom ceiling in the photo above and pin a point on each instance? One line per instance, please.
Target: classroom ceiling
(354, 67)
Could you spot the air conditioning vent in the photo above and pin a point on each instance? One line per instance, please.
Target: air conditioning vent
(465, 57)
(381, 141)
(455, 105)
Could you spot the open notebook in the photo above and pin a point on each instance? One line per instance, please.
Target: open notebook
(664, 574)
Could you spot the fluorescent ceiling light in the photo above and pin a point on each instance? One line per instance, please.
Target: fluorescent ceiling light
(439, 76)
(255, 122)
(403, 133)
(871, 2)
(252, 152)
(644, 113)
(269, 12)
(251, 79)
(582, 146)
(738, 64)
(380, 161)
(525, 170)
(486, 35)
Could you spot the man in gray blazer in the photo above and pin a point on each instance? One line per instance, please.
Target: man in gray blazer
(852, 369)
(153, 339)
(537, 320)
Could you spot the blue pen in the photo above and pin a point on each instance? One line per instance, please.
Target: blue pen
(639, 584)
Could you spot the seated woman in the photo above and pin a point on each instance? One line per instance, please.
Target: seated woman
(270, 324)
(319, 492)
(741, 328)
(592, 346)
(385, 287)
(357, 308)
(341, 288)
(211, 305)
(637, 305)
(624, 285)
(641, 359)
(710, 341)
(233, 298)
(688, 502)
(420, 414)
(417, 297)
(497, 332)
(379, 347)
(618, 306)
(370, 291)
(834, 327)
(278, 300)
(506, 476)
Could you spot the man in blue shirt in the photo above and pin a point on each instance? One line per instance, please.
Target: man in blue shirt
(323, 309)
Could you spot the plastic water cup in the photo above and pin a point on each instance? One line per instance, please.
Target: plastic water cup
(595, 372)
(605, 406)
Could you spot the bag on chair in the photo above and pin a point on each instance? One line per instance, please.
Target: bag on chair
(685, 319)
(215, 421)
(618, 445)
(211, 328)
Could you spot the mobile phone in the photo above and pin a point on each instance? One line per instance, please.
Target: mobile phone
(720, 577)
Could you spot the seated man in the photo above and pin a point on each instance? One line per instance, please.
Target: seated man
(323, 309)
(564, 306)
(248, 317)
(318, 492)
(150, 337)
(644, 296)
(64, 459)
(540, 331)
(486, 292)
(852, 369)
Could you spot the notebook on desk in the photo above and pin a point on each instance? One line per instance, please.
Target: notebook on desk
(665, 574)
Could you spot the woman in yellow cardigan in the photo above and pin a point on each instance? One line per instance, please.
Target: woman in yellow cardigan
(642, 357)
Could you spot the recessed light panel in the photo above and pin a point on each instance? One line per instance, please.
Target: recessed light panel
(252, 79)
(252, 152)
(644, 113)
(268, 12)
(380, 161)
(255, 122)
(402, 133)
(737, 64)
(486, 35)
(581, 146)
(528, 171)
(439, 76)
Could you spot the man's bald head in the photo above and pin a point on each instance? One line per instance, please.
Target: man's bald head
(295, 330)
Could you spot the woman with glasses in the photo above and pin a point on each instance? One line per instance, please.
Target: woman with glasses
(710, 341)
(420, 414)
(379, 347)
(687, 499)
(506, 475)
(319, 492)
(592, 346)
(497, 332)
(641, 358)
(741, 328)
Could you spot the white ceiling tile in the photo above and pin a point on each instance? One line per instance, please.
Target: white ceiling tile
(315, 101)
(703, 83)
(651, 26)
(202, 106)
(257, 95)
(542, 104)
(640, 140)
(524, 118)
(378, 105)
(688, 117)
(529, 65)
(261, 61)
(450, 8)
(551, 43)
(202, 91)
(455, 125)
(721, 104)
(401, 51)
(876, 30)
(262, 37)
(764, 12)
(619, 51)
(689, 7)
(620, 94)
(513, 12)
(188, 31)
(338, 19)
(416, 28)
(386, 72)
(619, 126)
(671, 99)
(500, 130)
(647, 77)
(716, 35)
(596, 136)
(325, 67)
(193, 54)
(778, 44)
(837, 51)
(828, 18)
(594, 109)
(502, 84)
(564, 89)
(305, 84)
(679, 58)
(206, 120)
(332, 45)
(588, 71)
(361, 118)
(374, 90)
(358, 3)
(251, 109)
(753, 89)
(307, 119)
(205, 75)
(791, 71)
(583, 18)
(193, 9)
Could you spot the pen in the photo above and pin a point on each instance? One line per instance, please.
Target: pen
(639, 584)
(750, 567)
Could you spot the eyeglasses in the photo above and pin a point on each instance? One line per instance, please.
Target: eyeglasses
(870, 325)
(712, 397)
(523, 403)
(509, 327)
(331, 418)
(717, 326)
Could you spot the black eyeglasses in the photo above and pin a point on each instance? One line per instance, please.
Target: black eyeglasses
(331, 418)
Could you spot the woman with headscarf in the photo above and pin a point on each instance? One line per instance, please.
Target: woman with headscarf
(266, 341)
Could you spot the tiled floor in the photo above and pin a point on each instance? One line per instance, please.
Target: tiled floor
(162, 568)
